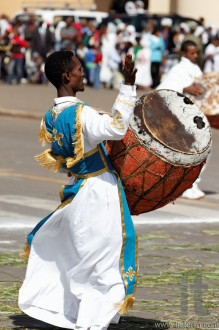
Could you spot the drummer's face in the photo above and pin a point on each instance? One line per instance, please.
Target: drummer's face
(191, 53)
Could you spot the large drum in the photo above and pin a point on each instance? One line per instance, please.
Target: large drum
(163, 152)
(208, 102)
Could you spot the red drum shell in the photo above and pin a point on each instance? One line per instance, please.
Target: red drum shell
(163, 151)
(213, 121)
(148, 181)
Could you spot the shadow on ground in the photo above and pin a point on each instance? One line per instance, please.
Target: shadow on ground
(132, 323)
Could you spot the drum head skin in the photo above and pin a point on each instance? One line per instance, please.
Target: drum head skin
(171, 125)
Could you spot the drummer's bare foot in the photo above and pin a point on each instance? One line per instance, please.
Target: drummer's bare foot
(193, 193)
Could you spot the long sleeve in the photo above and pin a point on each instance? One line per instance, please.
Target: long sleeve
(97, 128)
(181, 75)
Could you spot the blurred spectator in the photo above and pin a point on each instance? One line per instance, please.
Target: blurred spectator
(143, 63)
(208, 34)
(137, 47)
(16, 65)
(90, 61)
(21, 28)
(210, 53)
(120, 32)
(147, 32)
(81, 54)
(165, 31)
(58, 39)
(130, 8)
(129, 33)
(108, 41)
(28, 31)
(139, 5)
(157, 48)
(216, 58)
(86, 31)
(35, 69)
(197, 40)
(43, 39)
(68, 35)
(98, 61)
(5, 47)
(114, 60)
(4, 24)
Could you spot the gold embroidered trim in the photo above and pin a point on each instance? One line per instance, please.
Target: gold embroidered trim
(117, 121)
(61, 193)
(53, 112)
(44, 135)
(64, 204)
(136, 263)
(129, 300)
(89, 175)
(89, 153)
(79, 147)
(130, 274)
(57, 137)
(123, 234)
(48, 160)
(103, 158)
(125, 102)
(127, 303)
(71, 199)
(25, 252)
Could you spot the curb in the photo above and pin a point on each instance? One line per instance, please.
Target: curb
(20, 114)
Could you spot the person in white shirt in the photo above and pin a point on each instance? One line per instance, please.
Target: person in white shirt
(78, 276)
(210, 52)
(181, 78)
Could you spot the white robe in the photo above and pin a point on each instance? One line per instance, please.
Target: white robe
(181, 76)
(73, 277)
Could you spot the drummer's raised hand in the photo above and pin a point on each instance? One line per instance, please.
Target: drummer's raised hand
(128, 70)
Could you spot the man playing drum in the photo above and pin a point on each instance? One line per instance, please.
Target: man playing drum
(181, 78)
(82, 268)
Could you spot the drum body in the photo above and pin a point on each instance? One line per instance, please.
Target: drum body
(163, 151)
(208, 102)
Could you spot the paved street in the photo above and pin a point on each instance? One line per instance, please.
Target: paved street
(179, 241)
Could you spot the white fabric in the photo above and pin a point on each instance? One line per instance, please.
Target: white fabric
(216, 60)
(73, 277)
(209, 64)
(181, 76)
(143, 63)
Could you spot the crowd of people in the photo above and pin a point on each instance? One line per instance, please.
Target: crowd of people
(24, 46)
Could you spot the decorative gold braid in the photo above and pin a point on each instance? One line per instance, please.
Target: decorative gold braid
(125, 102)
(117, 121)
(44, 135)
(25, 252)
(127, 303)
(79, 147)
(48, 160)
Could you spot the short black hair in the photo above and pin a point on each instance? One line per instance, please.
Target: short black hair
(58, 63)
(186, 44)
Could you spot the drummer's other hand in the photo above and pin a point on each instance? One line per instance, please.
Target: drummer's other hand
(194, 89)
(128, 70)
